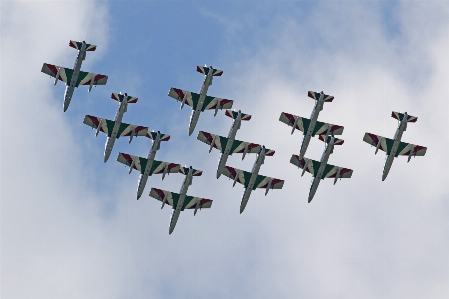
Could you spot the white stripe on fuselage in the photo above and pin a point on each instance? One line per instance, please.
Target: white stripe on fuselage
(203, 92)
(76, 70)
(397, 140)
(117, 121)
(182, 195)
(324, 159)
(231, 137)
(150, 159)
(313, 118)
(254, 173)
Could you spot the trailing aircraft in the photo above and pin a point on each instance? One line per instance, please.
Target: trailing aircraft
(115, 129)
(200, 102)
(320, 169)
(181, 201)
(149, 166)
(394, 148)
(228, 146)
(252, 180)
(74, 77)
(311, 127)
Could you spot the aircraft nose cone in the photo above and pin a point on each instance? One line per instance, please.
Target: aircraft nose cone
(190, 131)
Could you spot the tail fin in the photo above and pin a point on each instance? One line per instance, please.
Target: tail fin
(78, 45)
(234, 114)
(328, 139)
(316, 96)
(119, 97)
(153, 135)
(400, 116)
(205, 70)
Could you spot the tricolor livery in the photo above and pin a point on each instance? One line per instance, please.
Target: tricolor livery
(252, 180)
(181, 201)
(149, 166)
(394, 148)
(320, 169)
(311, 127)
(228, 146)
(75, 77)
(200, 102)
(116, 128)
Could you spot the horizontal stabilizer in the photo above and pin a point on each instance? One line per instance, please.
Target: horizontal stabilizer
(185, 171)
(205, 70)
(316, 96)
(328, 139)
(234, 114)
(120, 97)
(400, 116)
(153, 135)
(78, 45)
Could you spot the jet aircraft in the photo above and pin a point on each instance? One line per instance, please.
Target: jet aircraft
(149, 166)
(116, 128)
(320, 169)
(252, 180)
(74, 77)
(200, 102)
(394, 148)
(181, 201)
(228, 146)
(311, 127)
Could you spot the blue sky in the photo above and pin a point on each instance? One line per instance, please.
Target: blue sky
(70, 224)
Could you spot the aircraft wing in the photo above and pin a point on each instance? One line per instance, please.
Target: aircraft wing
(386, 144)
(268, 183)
(127, 130)
(128, 159)
(212, 102)
(408, 149)
(322, 128)
(191, 98)
(159, 167)
(172, 199)
(312, 165)
(85, 78)
(65, 74)
(106, 124)
(239, 175)
(331, 171)
(302, 124)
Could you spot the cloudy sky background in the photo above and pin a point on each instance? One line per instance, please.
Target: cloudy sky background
(70, 224)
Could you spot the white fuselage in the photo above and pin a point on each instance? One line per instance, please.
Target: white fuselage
(324, 158)
(231, 137)
(76, 70)
(203, 92)
(397, 140)
(182, 195)
(313, 118)
(110, 140)
(146, 173)
(254, 173)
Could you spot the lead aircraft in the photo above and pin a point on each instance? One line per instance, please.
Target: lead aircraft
(74, 77)
(149, 166)
(311, 127)
(228, 146)
(200, 102)
(181, 201)
(320, 169)
(394, 148)
(115, 129)
(252, 180)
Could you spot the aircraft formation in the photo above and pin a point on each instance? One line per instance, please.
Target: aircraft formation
(199, 102)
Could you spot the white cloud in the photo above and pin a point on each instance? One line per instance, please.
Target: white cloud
(361, 238)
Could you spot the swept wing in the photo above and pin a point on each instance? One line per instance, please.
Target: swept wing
(302, 124)
(172, 199)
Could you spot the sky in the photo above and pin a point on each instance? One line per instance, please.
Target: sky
(71, 226)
